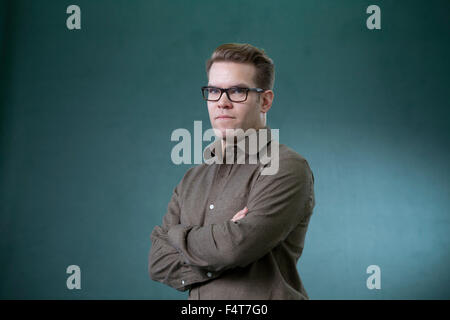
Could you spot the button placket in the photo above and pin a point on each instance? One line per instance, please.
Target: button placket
(215, 191)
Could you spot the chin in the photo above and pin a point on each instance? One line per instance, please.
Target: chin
(222, 132)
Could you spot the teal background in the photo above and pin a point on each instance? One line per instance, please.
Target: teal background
(86, 119)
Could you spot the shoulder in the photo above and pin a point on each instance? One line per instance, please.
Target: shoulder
(192, 176)
(290, 163)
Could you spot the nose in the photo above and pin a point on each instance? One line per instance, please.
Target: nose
(224, 102)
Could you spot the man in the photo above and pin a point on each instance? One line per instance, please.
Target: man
(231, 232)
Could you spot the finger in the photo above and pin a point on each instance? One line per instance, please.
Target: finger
(244, 211)
(236, 217)
(239, 216)
(241, 212)
(238, 213)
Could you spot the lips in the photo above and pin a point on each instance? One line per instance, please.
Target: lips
(224, 117)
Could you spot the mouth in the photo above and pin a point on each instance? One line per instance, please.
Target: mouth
(224, 117)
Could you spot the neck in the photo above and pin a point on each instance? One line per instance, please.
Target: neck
(234, 140)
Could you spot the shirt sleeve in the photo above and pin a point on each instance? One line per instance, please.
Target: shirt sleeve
(276, 205)
(166, 263)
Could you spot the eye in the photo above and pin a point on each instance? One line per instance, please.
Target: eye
(237, 90)
(213, 90)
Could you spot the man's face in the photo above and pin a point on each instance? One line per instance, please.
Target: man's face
(225, 114)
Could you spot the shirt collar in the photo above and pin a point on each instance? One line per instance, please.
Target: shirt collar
(263, 138)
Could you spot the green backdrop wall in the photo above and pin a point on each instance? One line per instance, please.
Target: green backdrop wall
(86, 119)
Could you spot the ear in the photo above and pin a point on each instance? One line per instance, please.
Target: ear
(266, 100)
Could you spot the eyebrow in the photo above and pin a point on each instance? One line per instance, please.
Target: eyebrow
(236, 85)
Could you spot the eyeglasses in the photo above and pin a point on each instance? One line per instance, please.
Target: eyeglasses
(235, 94)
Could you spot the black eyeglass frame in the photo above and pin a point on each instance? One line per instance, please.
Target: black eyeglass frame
(222, 90)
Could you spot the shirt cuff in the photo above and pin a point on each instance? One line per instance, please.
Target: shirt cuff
(193, 277)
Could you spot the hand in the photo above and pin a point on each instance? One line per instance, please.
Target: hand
(240, 215)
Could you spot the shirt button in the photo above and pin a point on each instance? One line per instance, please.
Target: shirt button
(211, 206)
(209, 274)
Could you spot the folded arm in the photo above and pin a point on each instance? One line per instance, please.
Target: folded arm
(166, 264)
(276, 205)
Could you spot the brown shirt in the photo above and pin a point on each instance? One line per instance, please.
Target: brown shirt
(198, 248)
